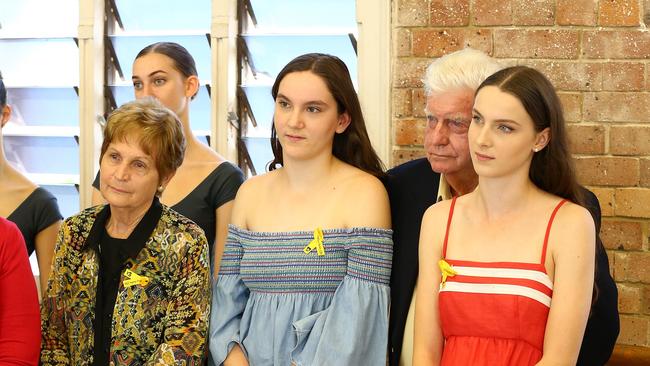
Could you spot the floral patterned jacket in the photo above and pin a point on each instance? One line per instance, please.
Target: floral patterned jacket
(162, 321)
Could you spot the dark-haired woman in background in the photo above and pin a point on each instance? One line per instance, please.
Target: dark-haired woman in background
(205, 184)
(507, 271)
(32, 208)
(304, 277)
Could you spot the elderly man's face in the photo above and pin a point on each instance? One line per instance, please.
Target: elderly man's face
(449, 115)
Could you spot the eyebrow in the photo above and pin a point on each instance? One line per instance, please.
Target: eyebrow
(137, 157)
(312, 102)
(502, 120)
(150, 74)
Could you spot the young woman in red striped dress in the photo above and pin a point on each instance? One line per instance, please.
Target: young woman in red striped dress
(506, 271)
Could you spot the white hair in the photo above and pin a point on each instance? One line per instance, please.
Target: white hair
(466, 68)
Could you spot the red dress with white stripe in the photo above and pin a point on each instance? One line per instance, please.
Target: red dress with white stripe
(495, 313)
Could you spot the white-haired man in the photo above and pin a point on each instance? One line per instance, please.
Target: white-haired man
(450, 83)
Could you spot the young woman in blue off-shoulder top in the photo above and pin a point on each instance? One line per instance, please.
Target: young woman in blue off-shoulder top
(304, 276)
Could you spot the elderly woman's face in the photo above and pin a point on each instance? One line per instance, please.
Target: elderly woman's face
(129, 178)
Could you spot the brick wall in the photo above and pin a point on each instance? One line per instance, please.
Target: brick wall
(597, 53)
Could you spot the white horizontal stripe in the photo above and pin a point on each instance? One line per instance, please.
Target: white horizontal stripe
(528, 274)
(492, 288)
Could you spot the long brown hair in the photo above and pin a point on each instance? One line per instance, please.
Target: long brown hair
(353, 145)
(552, 167)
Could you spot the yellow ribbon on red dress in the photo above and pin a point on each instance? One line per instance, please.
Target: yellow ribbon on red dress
(447, 270)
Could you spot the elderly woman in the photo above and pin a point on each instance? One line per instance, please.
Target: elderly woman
(130, 281)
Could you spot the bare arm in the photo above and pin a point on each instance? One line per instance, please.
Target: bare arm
(236, 357)
(572, 242)
(97, 198)
(428, 340)
(45, 242)
(223, 213)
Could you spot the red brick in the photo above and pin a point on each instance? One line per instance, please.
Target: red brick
(629, 298)
(569, 75)
(618, 13)
(409, 132)
(607, 171)
(401, 156)
(632, 202)
(646, 299)
(449, 13)
(644, 172)
(632, 266)
(623, 76)
(419, 102)
(621, 235)
(402, 42)
(623, 44)
(616, 107)
(438, 42)
(539, 12)
(634, 330)
(629, 140)
(521, 43)
(606, 198)
(412, 12)
(586, 139)
(409, 72)
(576, 12)
(402, 103)
(572, 106)
(489, 12)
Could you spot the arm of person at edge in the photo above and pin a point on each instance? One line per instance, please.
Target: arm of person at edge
(44, 243)
(571, 248)
(223, 214)
(428, 340)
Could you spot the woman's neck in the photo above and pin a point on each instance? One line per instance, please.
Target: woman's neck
(305, 175)
(123, 221)
(501, 198)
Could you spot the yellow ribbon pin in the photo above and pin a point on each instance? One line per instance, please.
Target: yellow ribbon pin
(131, 279)
(317, 243)
(447, 270)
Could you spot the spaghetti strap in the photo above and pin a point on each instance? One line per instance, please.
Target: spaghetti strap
(548, 230)
(451, 213)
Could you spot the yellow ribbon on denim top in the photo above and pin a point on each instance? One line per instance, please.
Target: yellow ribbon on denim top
(316, 243)
(447, 270)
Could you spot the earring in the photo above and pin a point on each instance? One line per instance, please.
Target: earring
(160, 189)
(535, 149)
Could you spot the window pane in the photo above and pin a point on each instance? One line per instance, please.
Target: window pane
(261, 102)
(127, 47)
(44, 106)
(164, 15)
(39, 62)
(43, 155)
(67, 197)
(259, 149)
(39, 18)
(303, 16)
(271, 52)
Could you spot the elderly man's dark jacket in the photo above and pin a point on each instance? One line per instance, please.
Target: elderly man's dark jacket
(412, 187)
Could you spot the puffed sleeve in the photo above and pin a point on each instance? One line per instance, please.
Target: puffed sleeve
(54, 333)
(353, 330)
(186, 328)
(229, 298)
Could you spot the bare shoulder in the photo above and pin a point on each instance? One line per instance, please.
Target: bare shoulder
(365, 199)
(249, 195)
(573, 229)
